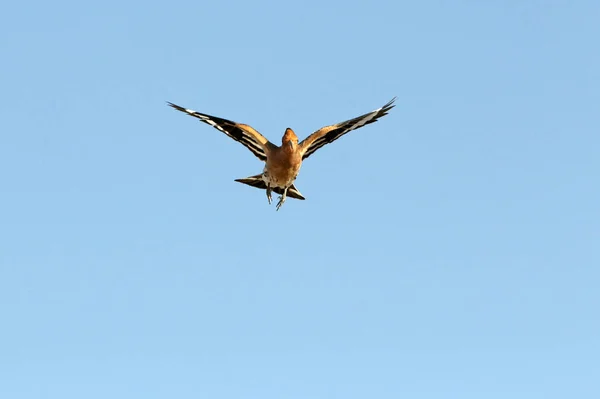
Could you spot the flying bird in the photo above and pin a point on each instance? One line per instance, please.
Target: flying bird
(282, 163)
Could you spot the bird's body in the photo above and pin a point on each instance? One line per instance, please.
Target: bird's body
(282, 163)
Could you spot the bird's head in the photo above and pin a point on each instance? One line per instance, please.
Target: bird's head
(289, 138)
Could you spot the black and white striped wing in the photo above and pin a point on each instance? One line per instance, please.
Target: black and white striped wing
(331, 133)
(248, 136)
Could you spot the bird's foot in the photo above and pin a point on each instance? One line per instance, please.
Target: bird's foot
(280, 202)
(269, 196)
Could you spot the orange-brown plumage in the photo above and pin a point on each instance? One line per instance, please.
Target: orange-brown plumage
(288, 136)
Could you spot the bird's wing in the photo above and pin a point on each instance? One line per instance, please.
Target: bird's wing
(328, 134)
(248, 136)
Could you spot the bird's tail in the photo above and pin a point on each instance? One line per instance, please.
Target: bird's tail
(258, 182)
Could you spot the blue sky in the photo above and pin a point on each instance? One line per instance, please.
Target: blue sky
(451, 250)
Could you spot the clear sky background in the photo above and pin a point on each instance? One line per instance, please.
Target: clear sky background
(450, 250)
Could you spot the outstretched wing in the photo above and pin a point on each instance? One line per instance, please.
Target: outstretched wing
(328, 134)
(250, 138)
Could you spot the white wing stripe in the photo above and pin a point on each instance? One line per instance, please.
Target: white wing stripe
(363, 121)
(334, 132)
(249, 141)
(321, 141)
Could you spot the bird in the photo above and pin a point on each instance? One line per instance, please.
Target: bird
(282, 163)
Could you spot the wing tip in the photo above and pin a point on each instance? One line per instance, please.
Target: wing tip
(179, 108)
(390, 104)
(383, 111)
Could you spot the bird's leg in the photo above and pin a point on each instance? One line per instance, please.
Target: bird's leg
(269, 197)
(282, 198)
